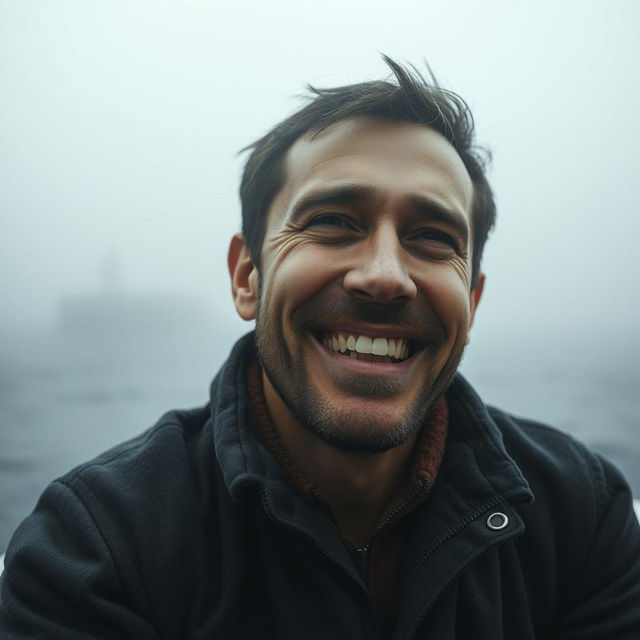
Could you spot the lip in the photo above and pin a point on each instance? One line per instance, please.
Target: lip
(370, 367)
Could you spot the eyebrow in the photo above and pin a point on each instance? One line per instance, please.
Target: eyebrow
(439, 213)
(322, 196)
(351, 194)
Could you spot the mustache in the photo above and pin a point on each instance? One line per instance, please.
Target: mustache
(344, 309)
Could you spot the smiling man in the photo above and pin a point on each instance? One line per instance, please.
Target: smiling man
(344, 481)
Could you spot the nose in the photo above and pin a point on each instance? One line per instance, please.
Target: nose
(379, 272)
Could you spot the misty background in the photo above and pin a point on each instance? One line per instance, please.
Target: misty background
(120, 123)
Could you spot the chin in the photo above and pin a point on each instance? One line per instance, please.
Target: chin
(363, 430)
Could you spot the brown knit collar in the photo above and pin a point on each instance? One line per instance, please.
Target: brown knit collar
(426, 462)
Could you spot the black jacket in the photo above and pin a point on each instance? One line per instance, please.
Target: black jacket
(191, 531)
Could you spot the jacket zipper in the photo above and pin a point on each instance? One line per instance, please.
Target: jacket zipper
(449, 534)
(363, 554)
(362, 561)
(422, 483)
(334, 560)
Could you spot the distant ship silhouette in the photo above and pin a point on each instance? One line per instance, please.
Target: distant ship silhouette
(113, 311)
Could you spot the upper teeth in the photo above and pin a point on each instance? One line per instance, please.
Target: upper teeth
(342, 342)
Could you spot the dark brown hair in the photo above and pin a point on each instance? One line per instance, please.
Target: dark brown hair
(411, 98)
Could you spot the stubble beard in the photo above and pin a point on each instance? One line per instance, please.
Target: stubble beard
(353, 432)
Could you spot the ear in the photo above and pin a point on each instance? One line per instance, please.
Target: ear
(244, 278)
(474, 297)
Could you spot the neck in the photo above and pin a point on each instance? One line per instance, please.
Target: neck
(357, 486)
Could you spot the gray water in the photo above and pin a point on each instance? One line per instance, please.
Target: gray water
(65, 398)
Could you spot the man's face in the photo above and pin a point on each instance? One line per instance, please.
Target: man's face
(363, 299)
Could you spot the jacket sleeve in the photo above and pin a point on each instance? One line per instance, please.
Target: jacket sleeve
(60, 579)
(604, 603)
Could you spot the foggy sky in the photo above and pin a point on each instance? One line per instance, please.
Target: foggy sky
(120, 123)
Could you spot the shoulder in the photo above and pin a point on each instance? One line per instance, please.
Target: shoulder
(132, 498)
(551, 458)
(581, 530)
(135, 501)
(582, 513)
(178, 425)
(113, 530)
(171, 446)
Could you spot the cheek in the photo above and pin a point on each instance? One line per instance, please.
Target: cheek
(449, 298)
(292, 278)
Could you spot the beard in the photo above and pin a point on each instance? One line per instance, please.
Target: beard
(363, 432)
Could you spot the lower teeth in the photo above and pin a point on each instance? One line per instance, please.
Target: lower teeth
(354, 355)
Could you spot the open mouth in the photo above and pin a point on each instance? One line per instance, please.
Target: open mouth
(363, 347)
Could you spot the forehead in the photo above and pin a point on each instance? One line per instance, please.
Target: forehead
(396, 158)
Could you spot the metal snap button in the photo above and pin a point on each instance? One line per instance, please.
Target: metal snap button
(497, 521)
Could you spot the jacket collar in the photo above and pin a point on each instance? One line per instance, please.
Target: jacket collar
(478, 461)
(243, 460)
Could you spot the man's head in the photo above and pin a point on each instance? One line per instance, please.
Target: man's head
(360, 265)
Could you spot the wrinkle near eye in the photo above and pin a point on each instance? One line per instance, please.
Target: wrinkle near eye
(462, 269)
(283, 242)
(320, 233)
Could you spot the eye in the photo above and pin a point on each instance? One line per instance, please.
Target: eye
(435, 234)
(435, 237)
(330, 220)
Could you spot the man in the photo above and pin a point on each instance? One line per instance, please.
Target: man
(345, 481)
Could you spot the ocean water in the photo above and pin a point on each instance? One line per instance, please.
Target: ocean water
(66, 398)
